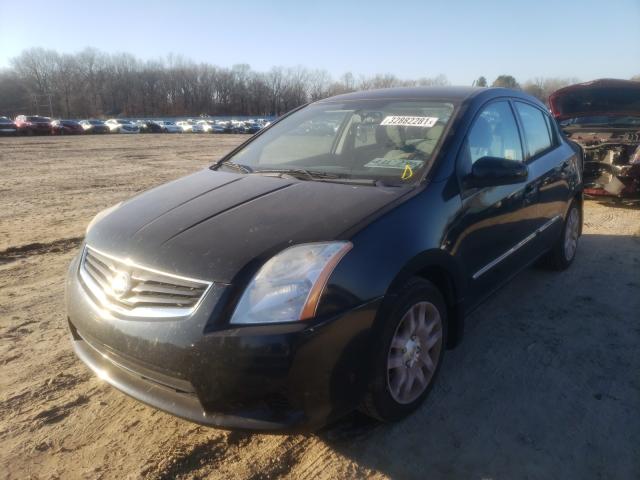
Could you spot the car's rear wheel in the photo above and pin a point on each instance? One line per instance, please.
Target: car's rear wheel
(409, 352)
(561, 256)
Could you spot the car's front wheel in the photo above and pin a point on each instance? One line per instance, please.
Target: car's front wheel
(409, 352)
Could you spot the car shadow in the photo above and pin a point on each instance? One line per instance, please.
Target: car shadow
(544, 385)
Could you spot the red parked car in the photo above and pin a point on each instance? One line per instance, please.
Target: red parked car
(66, 127)
(33, 124)
(603, 117)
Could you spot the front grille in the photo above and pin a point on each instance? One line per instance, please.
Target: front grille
(125, 288)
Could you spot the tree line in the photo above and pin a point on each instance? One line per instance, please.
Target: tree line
(93, 83)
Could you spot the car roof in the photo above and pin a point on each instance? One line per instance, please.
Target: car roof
(456, 94)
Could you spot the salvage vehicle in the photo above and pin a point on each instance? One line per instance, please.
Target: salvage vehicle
(33, 125)
(603, 117)
(66, 127)
(95, 126)
(310, 272)
(7, 126)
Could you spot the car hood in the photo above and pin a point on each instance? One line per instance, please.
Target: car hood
(211, 224)
(599, 97)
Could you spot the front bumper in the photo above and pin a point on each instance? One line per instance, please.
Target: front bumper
(270, 377)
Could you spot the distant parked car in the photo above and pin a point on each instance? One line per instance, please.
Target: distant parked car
(603, 117)
(167, 126)
(207, 125)
(66, 127)
(223, 126)
(148, 126)
(185, 126)
(33, 124)
(189, 126)
(250, 127)
(95, 126)
(7, 126)
(119, 125)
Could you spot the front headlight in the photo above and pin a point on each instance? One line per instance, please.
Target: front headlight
(101, 215)
(288, 287)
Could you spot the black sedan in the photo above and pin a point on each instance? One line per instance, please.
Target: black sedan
(95, 126)
(328, 262)
(7, 126)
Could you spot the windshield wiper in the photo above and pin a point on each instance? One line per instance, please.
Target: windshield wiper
(233, 165)
(317, 176)
(299, 172)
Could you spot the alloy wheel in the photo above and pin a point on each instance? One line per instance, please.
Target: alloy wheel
(571, 233)
(414, 352)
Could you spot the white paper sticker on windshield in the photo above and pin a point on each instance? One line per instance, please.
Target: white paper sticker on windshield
(403, 121)
(397, 163)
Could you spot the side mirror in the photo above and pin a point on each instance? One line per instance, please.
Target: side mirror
(494, 171)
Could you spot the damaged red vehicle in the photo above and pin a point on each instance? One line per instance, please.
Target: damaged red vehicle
(603, 117)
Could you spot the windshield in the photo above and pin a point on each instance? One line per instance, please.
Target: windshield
(37, 119)
(390, 141)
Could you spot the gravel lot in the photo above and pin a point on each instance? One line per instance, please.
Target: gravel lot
(545, 385)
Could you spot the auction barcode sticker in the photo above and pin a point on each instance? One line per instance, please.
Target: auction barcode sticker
(402, 121)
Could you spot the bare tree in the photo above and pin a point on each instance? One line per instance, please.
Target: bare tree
(541, 87)
(93, 83)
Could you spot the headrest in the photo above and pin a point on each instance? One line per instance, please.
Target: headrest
(391, 135)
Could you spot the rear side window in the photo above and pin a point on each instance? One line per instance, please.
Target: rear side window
(536, 130)
(552, 130)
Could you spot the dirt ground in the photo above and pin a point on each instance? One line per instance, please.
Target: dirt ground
(545, 385)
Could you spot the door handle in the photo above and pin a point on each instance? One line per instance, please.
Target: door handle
(530, 192)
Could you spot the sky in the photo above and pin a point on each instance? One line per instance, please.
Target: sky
(410, 39)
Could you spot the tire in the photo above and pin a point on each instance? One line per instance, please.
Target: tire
(563, 252)
(400, 352)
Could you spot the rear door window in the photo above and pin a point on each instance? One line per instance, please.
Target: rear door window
(536, 130)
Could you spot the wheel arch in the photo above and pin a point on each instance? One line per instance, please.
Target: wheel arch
(441, 269)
